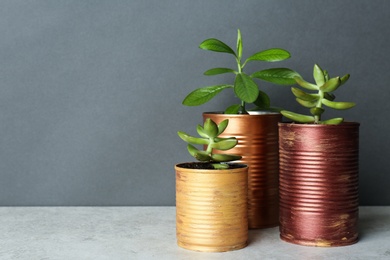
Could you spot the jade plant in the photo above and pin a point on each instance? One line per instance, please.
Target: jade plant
(209, 133)
(244, 86)
(316, 102)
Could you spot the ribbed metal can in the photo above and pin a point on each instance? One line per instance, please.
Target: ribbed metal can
(257, 136)
(319, 168)
(211, 208)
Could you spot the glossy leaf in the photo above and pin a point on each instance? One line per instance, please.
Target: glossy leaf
(297, 117)
(318, 75)
(222, 126)
(217, 71)
(305, 103)
(317, 111)
(233, 109)
(239, 45)
(329, 96)
(303, 95)
(225, 157)
(263, 100)
(344, 78)
(220, 166)
(216, 45)
(225, 144)
(281, 76)
(333, 121)
(192, 140)
(331, 85)
(270, 55)
(245, 88)
(338, 105)
(304, 84)
(203, 95)
(201, 131)
(210, 128)
(199, 155)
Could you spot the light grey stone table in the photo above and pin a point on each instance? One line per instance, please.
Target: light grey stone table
(149, 233)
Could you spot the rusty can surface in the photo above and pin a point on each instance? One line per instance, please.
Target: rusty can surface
(319, 167)
(257, 136)
(211, 209)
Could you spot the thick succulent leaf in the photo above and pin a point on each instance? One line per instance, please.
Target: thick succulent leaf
(297, 117)
(233, 109)
(333, 121)
(199, 155)
(210, 128)
(225, 157)
(303, 95)
(192, 140)
(202, 95)
(329, 96)
(331, 85)
(281, 76)
(308, 104)
(344, 79)
(338, 105)
(220, 166)
(263, 100)
(326, 75)
(239, 44)
(245, 88)
(270, 55)
(304, 84)
(318, 75)
(217, 71)
(216, 45)
(317, 111)
(201, 131)
(222, 126)
(225, 144)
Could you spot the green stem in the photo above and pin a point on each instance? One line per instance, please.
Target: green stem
(317, 118)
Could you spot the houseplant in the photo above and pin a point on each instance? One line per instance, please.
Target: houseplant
(319, 163)
(255, 127)
(211, 195)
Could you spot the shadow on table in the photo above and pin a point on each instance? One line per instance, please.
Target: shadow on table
(373, 224)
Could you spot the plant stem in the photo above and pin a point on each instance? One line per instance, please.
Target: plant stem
(317, 118)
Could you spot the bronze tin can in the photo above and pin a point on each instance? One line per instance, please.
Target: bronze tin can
(257, 136)
(211, 208)
(319, 167)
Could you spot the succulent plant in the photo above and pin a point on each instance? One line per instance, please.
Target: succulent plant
(244, 86)
(209, 133)
(324, 86)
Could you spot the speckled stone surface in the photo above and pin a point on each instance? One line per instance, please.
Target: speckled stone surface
(149, 233)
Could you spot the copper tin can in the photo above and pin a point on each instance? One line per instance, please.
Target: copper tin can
(257, 136)
(319, 166)
(211, 209)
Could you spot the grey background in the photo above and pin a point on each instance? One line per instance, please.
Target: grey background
(91, 91)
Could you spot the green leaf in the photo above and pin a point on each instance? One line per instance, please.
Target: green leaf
(217, 71)
(338, 105)
(203, 95)
(344, 79)
(270, 55)
(220, 166)
(303, 95)
(329, 96)
(225, 157)
(263, 100)
(297, 117)
(281, 76)
(239, 44)
(331, 85)
(210, 128)
(333, 121)
(192, 140)
(216, 45)
(222, 126)
(199, 155)
(304, 84)
(245, 88)
(225, 144)
(317, 111)
(201, 131)
(233, 109)
(305, 103)
(318, 75)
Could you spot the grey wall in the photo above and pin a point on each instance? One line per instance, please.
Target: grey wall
(91, 91)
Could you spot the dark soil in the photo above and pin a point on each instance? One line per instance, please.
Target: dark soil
(208, 166)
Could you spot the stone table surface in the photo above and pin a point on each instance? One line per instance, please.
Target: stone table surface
(149, 233)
